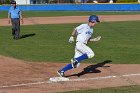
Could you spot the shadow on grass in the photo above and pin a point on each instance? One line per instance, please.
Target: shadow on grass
(27, 35)
(92, 68)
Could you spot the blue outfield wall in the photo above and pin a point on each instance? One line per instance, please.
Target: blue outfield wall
(78, 7)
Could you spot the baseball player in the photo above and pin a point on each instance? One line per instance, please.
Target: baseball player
(82, 51)
(14, 16)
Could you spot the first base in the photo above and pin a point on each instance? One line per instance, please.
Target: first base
(58, 79)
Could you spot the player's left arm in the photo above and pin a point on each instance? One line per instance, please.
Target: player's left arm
(21, 17)
(98, 38)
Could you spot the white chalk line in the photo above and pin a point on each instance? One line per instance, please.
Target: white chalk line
(24, 84)
(106, 77)
(71, 80)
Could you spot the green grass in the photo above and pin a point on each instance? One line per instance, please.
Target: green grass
(3, 14)
(120, 43)
(128, 89)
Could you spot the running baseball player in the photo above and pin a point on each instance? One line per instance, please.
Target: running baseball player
(82, 51)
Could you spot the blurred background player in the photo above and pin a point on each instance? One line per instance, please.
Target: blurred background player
(14, 16)
(83, 34)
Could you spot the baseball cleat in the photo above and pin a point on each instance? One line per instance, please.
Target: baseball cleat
(74, 63)
(61, 73)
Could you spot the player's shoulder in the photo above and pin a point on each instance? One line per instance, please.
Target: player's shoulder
(11, 8)
(84, 25)
(17, 7)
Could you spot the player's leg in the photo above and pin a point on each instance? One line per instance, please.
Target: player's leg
(86, 53)
(13, 28)
(77, 55)
(69, 66)
(82, 52)
(64, 69)
(85, 50)
(17, 28)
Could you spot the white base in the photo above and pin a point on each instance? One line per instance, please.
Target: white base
(58, 79)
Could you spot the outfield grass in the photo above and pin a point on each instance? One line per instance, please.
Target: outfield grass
(3, 14)
(120, 43)
(128, 89)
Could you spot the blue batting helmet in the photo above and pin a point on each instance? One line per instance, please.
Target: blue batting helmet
(93, 18)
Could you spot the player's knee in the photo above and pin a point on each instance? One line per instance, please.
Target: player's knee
(91, 55)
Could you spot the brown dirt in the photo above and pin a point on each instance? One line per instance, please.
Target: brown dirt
(14, 72)
(72, 19)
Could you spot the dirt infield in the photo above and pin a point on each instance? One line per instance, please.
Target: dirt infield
(72, 19)
(17, 76)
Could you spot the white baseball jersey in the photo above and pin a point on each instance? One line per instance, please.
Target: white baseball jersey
(84, 33)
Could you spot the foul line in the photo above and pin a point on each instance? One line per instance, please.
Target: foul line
(106, 77)
(83, 79)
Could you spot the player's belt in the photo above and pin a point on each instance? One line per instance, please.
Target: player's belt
(80, 42)
(15, 18)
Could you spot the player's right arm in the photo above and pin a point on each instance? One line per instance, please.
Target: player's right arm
(9, 19)
(73, 34)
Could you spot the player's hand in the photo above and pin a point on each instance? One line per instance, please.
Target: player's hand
(96, 39)
(9, 21)
(22, 21)
(71, 40)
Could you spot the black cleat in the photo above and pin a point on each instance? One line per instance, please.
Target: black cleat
(74, 63)
(61, 73)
